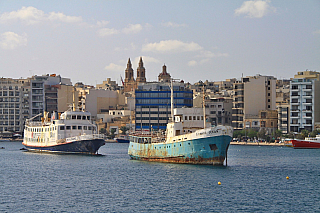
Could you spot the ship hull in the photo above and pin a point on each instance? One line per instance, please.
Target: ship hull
(207, 151)
(120, 140)
(302, 144)
(80, 146)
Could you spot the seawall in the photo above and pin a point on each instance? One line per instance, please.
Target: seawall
(257, 143)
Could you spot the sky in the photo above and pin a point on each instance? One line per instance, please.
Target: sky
(198, 40)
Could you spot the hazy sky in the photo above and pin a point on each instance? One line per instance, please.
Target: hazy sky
(90, 41)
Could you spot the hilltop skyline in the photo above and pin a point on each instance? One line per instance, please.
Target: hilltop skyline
(215, 40)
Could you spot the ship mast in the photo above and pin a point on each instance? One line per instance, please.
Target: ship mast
(172, 117)
(204, 109)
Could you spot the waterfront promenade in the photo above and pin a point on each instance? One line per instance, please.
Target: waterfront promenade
(257, 143)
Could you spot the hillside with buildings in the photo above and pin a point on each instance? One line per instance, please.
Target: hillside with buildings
(253, 102)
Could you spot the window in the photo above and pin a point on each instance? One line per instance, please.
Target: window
(79, 117)
(68, 127)
(79, 127)
(74, 127)
(84, 127)
(73, 117)
(61, 127)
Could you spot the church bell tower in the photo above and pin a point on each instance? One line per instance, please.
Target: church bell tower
(141, 72)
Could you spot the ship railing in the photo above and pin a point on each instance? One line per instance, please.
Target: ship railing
(34, 123)
(85, 137)
(146, 139)
(158, 140)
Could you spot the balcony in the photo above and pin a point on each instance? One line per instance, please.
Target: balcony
(295, 103)
(307, 110)
(306, 89)
(306, 103)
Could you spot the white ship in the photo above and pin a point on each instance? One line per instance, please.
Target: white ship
(72, 132)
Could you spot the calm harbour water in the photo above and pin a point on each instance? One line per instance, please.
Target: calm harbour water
(254, 181)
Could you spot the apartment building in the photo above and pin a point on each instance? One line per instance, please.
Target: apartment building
(283, 118)
(219, 111)
(21, 99)
(218, 108)
(251, 95)
(14, 104)
(44, 93)
(283, 105)
(153, 103)
(304, 101)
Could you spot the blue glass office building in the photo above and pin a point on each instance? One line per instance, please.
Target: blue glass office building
(153, 103)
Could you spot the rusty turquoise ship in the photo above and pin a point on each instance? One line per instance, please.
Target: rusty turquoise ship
(186, 140)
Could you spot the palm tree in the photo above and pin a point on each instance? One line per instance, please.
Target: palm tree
(123, 129)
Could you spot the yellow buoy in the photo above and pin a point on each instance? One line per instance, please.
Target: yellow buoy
(287, 177)
(219, 183)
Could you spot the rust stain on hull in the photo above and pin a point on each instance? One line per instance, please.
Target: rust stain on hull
(202, 161)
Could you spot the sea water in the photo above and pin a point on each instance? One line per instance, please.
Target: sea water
(255, 180)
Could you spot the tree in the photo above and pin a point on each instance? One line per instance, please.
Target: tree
(237, 133)
(262, 134)
(103, 131)
(123, 130)
(314, 133)
(112, 131)
(277, 133)
(252, 133)
(304, 133)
